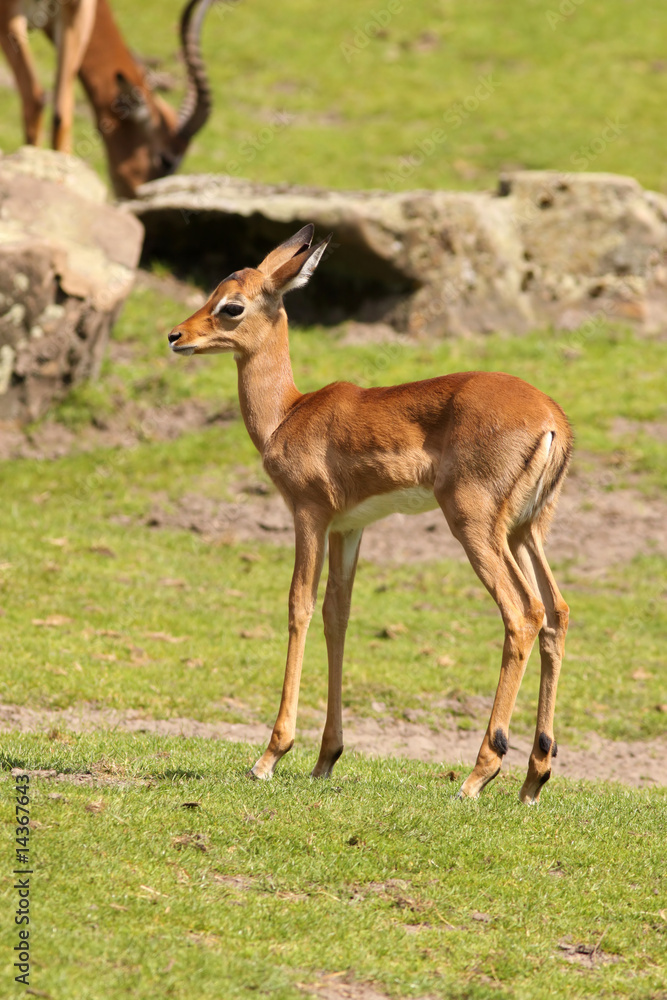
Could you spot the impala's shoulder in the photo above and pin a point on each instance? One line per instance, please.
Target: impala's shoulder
(313, 412)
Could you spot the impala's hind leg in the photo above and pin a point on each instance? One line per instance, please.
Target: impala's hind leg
(343, 554)
(532, 560)
(484, 538)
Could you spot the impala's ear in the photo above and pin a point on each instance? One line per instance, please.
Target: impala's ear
(297, 272)
(130, 102)
(295, 244)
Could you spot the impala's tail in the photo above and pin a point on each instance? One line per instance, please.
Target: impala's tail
(545, 471)
(558, 463)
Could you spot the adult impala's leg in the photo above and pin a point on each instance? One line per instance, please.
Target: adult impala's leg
(343, 555)
(530, 556)
(310, 543)
(485, 542)
(73, 31)
(14, 42)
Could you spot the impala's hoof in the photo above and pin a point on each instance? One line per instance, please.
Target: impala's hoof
(532, 786)
(259, 774)
(463, 794)
(526, 800)
(325, 765)
(475, 783)
(322, 772)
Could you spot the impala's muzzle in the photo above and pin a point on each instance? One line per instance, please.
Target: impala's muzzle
(175, 338)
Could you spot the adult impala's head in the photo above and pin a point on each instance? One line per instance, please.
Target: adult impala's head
(243, 311)
(144, 136)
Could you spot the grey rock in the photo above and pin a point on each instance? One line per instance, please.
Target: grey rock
(67, 262)
(544, 249)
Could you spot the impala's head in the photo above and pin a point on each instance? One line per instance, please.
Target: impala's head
(145, 137)
(244, 309)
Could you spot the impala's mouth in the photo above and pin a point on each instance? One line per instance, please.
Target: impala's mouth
(182, 348)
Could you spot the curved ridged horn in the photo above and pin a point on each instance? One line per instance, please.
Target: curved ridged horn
(197, 103)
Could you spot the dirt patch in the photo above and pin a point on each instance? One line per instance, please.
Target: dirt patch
(75, 778)
(130, 425)
(595, 526)
(623, 428)
(241, 883)
(588, 956)
(198, 841)
(337, 986)
(640, 764)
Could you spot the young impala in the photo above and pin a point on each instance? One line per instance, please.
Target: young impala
(144, 137)
(488, 448)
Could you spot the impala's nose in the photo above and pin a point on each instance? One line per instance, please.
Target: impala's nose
(176, 343)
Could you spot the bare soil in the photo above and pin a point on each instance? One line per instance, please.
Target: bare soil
(587, 956)
(131, 424)
(623, 428)
(338, 986)
(641, 764)
(92, 779)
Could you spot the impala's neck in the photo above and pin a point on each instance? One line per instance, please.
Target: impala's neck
(106, 55)
(266, 385)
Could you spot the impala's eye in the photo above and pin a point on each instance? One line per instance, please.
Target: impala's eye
(167, 162)
(232, 309)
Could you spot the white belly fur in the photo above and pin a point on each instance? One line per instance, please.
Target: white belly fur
(414, 500)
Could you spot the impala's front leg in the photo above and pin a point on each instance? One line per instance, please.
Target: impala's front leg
(310, 537)
(343, 553)
(14, 43)
(73, 30)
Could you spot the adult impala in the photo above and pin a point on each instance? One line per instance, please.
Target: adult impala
(144, 137)
(488, 448)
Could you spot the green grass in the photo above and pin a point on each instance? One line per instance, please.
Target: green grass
(379, 875)
(506, 86)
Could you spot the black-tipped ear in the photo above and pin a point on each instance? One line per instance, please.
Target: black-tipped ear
(297, 272)
(294, 245)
